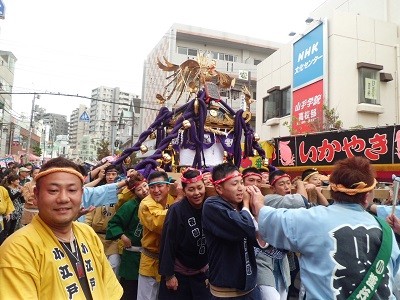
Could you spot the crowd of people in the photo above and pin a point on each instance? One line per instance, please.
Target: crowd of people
(214, 233)
(16, 194)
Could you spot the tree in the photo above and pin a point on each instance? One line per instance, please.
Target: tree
(331, 119)
(102, 150)
(330, 122)
(36, 150)
(135, 159)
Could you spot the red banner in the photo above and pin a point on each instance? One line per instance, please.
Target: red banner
(307, 110)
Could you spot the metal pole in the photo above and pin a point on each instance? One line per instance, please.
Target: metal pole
(113, 122)
(44, 144)
(11, 139)
(28, 148)
(52, 143)
(1, 139)
(112, 135)
(133, 127)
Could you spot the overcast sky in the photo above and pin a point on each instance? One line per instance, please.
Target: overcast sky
(75, 46)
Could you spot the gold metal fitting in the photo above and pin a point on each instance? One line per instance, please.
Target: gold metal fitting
(127, 160)
(166, 158)
(186, 124)
(143, 149)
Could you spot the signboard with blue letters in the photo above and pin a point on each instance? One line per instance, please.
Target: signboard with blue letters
(2, 9)
(84, 117)
(308, 58)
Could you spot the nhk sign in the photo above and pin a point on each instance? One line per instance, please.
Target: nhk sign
(308, 79)
(2, 10)
(308, 58)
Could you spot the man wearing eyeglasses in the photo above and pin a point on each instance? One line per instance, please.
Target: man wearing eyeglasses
(152, 212)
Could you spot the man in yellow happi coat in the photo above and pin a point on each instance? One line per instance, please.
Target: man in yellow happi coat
(152, 212)
(54, 257)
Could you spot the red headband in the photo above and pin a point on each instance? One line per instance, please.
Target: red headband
(226, 178)
(252, 173)
(138, 183)
(279, 177)
(191, 180)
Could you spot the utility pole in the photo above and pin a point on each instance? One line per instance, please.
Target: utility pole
(28, 150)
(51, 132)
(113, 122)
(133, 126)
(44, 144)
(11, 138)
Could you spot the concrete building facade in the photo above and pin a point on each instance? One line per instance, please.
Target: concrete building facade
(7, 66)
(234, 55)
(361, 67)
(58, 123)
(77, 127)
(106, 115)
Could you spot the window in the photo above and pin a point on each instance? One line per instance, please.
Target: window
(286, 101)
(182, 50)
(368, 83)
(4, 86)
(223, 93)
(192, 52)
(228, 57)
(265, 109)
(223, 56)
(277, 103)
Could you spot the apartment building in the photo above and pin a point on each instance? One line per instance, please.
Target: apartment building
(109, 114)
(236, 55)
(7, 65)
(78, 125)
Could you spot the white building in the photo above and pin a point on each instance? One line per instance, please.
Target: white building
(60, 146)
(357, 46)
(87, 149)
(234, 54)
(105, 113)
(78, 127)
(7, 65)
